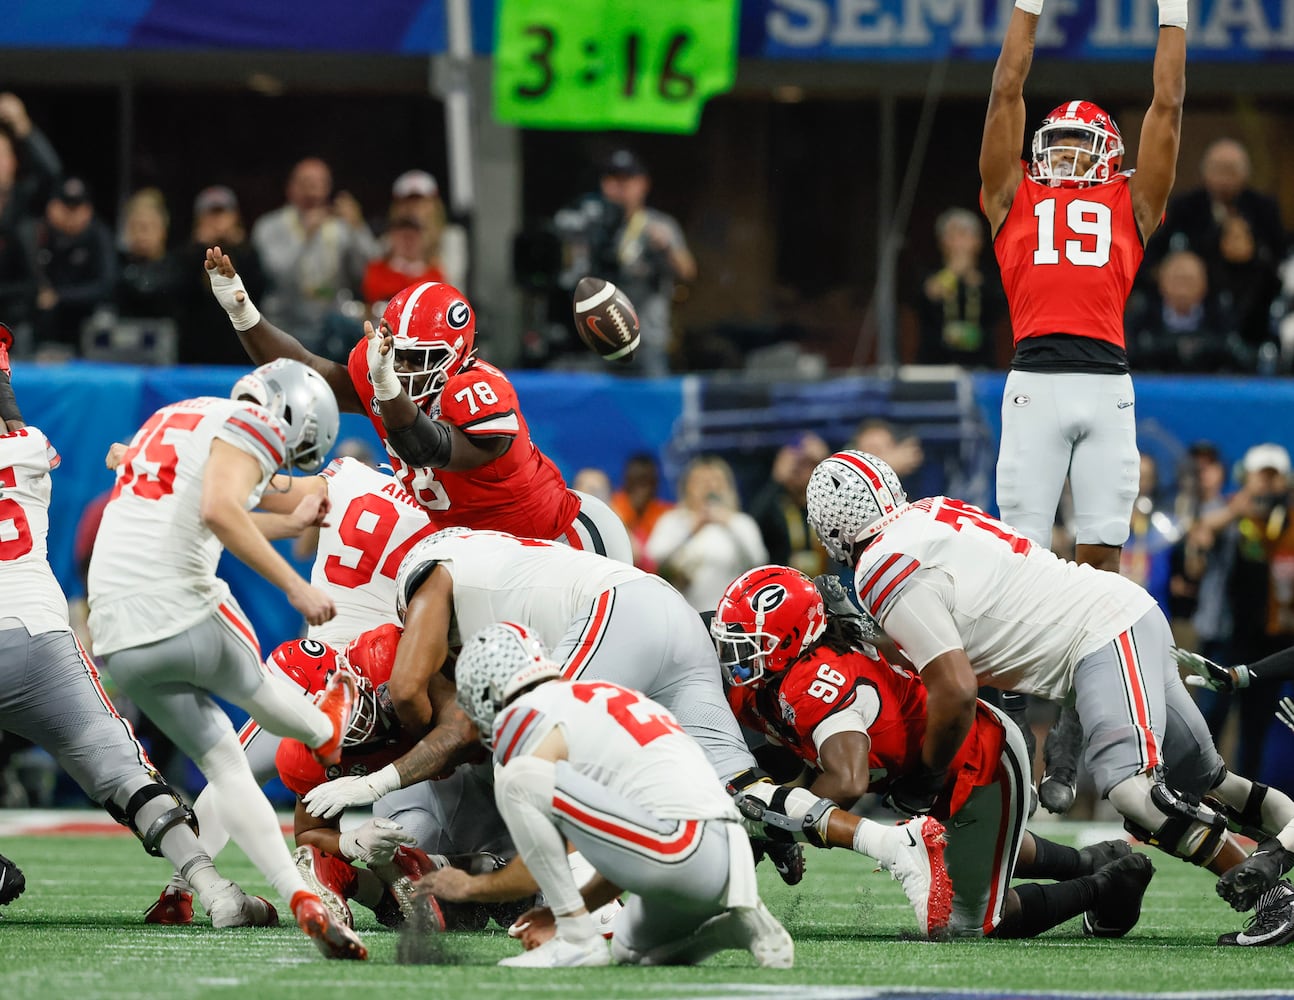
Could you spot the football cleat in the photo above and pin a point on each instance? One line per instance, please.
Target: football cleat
(1244, 883)
(173, 907)
(918, 865)
(336, 703)
(12, 880)
(1097, 856)
(1272, 923)
(310, 863)
(787, 857)
(333, 938)
(398, 904)
(1118, 904)
(559, 953)
(1060, 753)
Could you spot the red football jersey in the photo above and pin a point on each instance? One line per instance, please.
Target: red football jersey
(520, 492)
(372, 654)
(892, 701)
(1068, 257)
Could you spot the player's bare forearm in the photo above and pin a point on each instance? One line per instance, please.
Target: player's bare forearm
(274, 526)
(597, 892)
(310, 830)
(422, 650)
(228, 480)
(511, 882)
(450, 742)
(999, 158)
(845, 768)
(265, 342)
(950, 707)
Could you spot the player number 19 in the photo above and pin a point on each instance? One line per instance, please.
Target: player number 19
(1089, 219)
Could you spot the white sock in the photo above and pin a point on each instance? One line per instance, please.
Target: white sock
(282, 709)
(576, 927)
(248, 815)
(873, 839)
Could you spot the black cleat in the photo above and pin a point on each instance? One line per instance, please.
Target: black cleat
(1060, 754)
(12, 881)
(1097, 856)
(788, 859)
(1243, 884)
(1272, 923)
(1123, 883)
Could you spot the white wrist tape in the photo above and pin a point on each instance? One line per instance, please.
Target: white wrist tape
(243, 315)
(381, 371)
(385, 781)
(1032, 6)
(1172, 14)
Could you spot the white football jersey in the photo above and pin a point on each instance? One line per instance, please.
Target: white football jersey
(153, 570)
(372, 523)
(501, 578)
(29, 591)
(622, 740)
(1025, 616)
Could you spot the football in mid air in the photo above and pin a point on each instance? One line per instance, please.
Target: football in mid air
(605, 319)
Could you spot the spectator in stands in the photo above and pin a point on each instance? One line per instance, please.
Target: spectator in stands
(1245, 281)
(637, 504)
(205, 337)
(780, 506)
(651, 254)
(903, 452)
(29, 167)
(314, 251)
(706, 541)
(76, 268)
(1197, 221)
(1181, 328)
(416, 193)
(962, 303)
(407, 261)
(148, 278)
(594, 482)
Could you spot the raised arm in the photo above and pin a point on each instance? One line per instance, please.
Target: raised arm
(999, 154)
(262, 340)
(1161, 131)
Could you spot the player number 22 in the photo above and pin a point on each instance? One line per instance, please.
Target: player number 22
(1087, 219)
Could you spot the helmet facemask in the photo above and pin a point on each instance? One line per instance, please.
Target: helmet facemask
(364, 714)
(423, 369)
(1072, 153)
(743, 655)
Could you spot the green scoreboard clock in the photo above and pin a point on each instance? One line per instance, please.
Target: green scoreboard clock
(612, 64)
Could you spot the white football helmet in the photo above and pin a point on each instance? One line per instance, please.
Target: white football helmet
(848, 494)
(301, 398)
(495, 664)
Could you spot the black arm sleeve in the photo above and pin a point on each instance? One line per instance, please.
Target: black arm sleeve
(8, 403)
(425, 442)
(1277, 667)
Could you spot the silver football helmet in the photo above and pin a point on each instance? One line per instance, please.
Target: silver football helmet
(848, 494)
(495, 664)
(300, 397)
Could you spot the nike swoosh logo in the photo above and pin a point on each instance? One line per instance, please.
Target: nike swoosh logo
(958, 824)
(912, 841)
(1123, 404)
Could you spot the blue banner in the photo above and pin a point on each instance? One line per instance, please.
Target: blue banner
(1249, 31)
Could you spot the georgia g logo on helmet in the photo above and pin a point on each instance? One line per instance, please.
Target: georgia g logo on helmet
(458, 315)
(766, 598)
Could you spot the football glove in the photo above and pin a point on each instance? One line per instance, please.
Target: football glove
(333, 797)
(1204, 673)
(914, 794)
(1286, 712)
(836, 599)
(375, 842)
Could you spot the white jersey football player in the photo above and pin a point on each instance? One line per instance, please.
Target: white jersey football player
(614, 773)
(167, 627)
(50, 691)
(972, 602)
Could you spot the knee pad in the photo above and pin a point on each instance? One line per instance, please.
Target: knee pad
(1193, 833)
(1248, 819)
(152, 837)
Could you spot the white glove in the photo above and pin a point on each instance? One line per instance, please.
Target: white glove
(376, 841)
(1204, 673)
(330, 798)
(381, 367)
(1286, 713)
(235, 301)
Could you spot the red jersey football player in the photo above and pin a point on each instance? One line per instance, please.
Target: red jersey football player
(1069, 229)
(325, 855)
(810, 683)
(450, 421)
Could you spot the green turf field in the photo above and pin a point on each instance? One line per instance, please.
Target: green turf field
(76, 933)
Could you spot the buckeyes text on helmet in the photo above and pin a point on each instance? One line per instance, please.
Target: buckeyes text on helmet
(496, 664)
(1076, 145)
(766, 618)
(848, 496)
(434, 328)
(301, 398)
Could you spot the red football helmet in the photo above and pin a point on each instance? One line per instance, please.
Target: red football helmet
(309, 663)
(1076, 145)
(435, 331)
(766, 618)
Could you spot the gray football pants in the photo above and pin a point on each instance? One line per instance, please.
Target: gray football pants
(455, 815)
(1137, 715)
(643, 635)
(50, 694)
